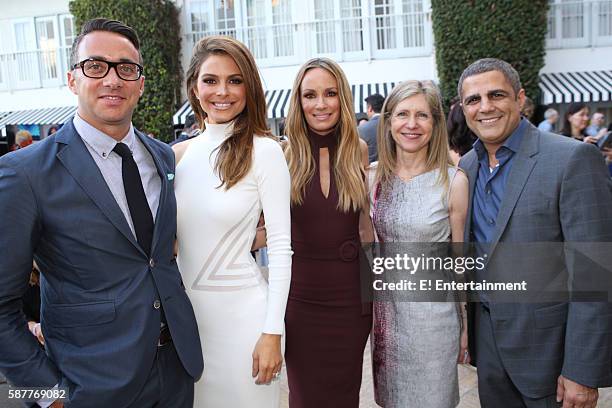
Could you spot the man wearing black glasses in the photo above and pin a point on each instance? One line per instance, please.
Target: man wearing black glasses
(100, 220)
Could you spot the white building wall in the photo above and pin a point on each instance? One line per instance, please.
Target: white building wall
(361, 72)
(577, 59)
(37, 99)
(30, 8)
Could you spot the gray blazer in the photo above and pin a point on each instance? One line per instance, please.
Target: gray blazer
(558, 192)
(367, 132)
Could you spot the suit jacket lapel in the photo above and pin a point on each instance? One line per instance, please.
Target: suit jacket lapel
(164, 187)
(519, 173)
(470, 166)
(78, 161)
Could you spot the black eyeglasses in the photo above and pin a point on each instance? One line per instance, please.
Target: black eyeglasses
(95, 68)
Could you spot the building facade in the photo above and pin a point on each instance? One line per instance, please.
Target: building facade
(377, 42)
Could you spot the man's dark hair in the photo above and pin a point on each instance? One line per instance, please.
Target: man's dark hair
(491, 64)
(376, 101)
(104, 24)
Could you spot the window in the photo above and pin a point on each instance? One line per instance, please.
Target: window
(290, 31)
(225, 18)
(413, 23)
(47, 44)
(269, 29)
(400, 27)
(36, 51)
(282, 29)
(604, 18)
(324, 26)
(256, 28)
(385, 24)
(352, 25)
(572, 13)
(68, 35)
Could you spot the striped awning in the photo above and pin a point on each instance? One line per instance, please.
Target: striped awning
(566, 87)
(46, 116)
(277, 100)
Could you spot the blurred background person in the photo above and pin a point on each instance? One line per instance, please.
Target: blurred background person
(327, 324)
(190, 130)
(597, 125)
(551, 116)
(367, 131)
(460, 136)
(52, 130)
(575, 122)
(417, 196)
(528, 109)
(362, 118)
(23, 138)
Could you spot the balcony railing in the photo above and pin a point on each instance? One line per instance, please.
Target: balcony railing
(574, 24)
(34, 69)
(354, 38)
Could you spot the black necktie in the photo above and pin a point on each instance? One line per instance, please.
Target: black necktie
(136, 198)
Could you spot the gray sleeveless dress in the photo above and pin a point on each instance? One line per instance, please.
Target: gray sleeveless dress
(414, 344)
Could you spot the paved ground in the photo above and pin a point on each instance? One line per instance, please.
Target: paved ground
(468, 389)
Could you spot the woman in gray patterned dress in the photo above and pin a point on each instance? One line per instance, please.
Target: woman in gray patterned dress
(417, 197)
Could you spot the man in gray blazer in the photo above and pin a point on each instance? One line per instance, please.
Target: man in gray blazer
(367, 131)
(94, 205)
(530, 188)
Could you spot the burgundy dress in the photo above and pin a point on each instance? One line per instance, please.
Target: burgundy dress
(326, 323)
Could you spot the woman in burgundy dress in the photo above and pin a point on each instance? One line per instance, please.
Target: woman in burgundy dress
(327, 324)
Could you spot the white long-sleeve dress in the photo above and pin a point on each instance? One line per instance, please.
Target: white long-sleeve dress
(233, 301)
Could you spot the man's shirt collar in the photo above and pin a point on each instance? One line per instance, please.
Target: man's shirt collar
(101, 143)
(512, 143)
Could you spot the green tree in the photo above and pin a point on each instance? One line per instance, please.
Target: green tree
(466, 30)
(157, 25)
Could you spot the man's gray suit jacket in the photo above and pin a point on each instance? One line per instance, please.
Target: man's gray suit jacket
(367, 132)
(558, 192)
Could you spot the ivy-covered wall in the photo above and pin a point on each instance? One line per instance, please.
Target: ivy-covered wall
(466, 30)
(157, 25)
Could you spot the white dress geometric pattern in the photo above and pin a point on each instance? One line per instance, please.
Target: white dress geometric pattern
(233, 302)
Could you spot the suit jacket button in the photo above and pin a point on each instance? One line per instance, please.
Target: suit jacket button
(157, 304)
(151, 263)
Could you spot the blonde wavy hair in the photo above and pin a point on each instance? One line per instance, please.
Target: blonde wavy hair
(236, 152)
(437, 148)
(348, 170)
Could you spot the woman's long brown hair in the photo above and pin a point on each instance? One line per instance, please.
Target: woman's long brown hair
(235, 153)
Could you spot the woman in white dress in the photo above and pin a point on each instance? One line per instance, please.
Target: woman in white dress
(225, 177)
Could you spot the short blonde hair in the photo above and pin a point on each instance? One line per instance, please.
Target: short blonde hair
(23, 138)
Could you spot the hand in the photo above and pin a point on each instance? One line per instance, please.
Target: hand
(607, 153)
(575, 395)
(36, 331)
(57, 404)
(267, 358)
(464, 354)
(260, 240)
(590, 139)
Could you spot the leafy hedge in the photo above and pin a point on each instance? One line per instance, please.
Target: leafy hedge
(466, 30)
(157, 25)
